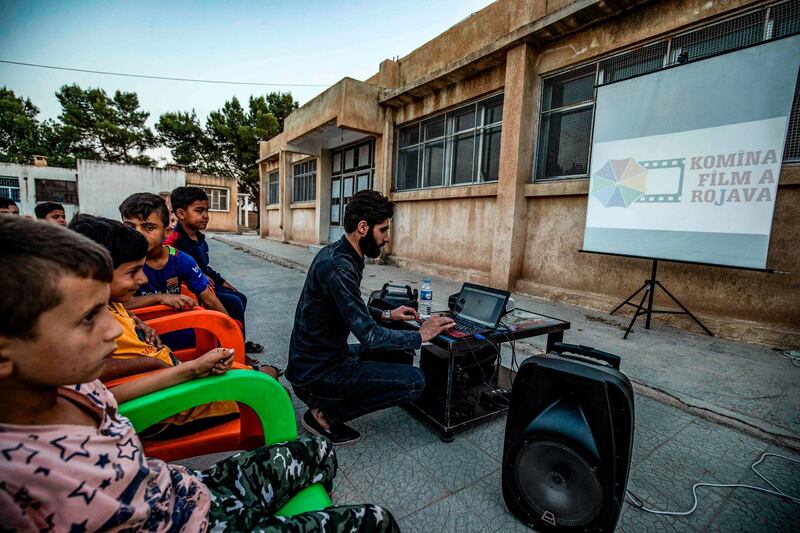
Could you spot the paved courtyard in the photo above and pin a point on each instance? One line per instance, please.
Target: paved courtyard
(434, 486)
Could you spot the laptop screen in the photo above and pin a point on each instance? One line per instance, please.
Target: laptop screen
(481, 306)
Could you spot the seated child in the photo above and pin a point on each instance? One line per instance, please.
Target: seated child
(135, 353)
(71, 462)
(51, 212)
(8, 206)
(190, 206)
(165, 267)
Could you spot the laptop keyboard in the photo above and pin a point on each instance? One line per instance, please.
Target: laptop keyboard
(467, 327)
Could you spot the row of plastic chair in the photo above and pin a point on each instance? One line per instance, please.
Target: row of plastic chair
(266, 415)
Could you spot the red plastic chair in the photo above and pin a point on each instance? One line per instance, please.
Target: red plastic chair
(212, 329)
(156, 311)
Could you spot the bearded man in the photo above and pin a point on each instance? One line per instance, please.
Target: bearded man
(339, 382)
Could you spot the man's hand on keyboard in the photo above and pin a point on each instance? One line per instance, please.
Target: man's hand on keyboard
(435, 325)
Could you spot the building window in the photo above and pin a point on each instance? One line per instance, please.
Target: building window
(273, 188)
(217, 198)
(61, 191)
(567, 103)
(9, 187)
(455, 148)
(304, 187)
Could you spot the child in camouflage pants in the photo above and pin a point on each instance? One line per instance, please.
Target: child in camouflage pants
(249, 487)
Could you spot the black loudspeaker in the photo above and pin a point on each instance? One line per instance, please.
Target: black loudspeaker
(568, 441)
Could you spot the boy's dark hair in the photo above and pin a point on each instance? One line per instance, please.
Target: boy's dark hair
(183, 197)
(42, 209)
(142, 205)
(35, 257)
(367, 205)
(124, 243)
(5, 203)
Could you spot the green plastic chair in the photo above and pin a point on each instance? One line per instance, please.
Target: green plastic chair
(261, 393)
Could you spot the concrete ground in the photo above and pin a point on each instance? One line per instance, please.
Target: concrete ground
(686, 383)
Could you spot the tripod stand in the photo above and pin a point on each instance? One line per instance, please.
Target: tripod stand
(649, 289)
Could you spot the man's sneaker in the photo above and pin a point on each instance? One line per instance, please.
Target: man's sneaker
(340, 434)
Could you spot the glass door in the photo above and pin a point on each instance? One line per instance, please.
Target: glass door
(353, 171)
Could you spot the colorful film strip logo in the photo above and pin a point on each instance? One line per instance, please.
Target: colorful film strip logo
(664, 174)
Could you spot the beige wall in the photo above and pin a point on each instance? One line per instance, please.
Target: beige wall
(218, 220)
(303, 224)
(272, 228)
(445, 236)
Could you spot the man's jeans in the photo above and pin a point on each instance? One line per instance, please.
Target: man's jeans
(362, 384)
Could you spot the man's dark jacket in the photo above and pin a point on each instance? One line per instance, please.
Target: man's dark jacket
(331, 307)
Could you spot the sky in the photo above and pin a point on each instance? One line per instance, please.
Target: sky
(299, 42)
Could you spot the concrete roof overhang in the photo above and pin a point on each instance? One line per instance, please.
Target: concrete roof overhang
(574, 17)
(346, 111)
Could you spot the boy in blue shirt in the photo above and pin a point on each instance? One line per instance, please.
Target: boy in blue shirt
(165, 267)
(190, 207)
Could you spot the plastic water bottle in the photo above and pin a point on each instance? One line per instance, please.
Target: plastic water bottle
(425, 299)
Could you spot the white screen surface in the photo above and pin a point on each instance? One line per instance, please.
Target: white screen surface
(686, 161)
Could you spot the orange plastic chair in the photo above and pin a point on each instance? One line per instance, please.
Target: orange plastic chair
(212, 329)
(155, 311)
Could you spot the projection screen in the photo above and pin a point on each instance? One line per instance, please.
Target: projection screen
(685, 162)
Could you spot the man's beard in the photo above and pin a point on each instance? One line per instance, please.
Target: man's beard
(369, 246)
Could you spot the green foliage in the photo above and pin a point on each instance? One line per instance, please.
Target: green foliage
(20, 135)
(91, 126)
(228, 146)
(190, 146)
(108, 129)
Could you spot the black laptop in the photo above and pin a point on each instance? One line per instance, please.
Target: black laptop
(477, 309)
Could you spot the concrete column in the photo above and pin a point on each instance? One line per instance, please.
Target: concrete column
(285, 180)
(384, 162)
(516, 157)
(263, 216)
(384, 154)
(324, 169)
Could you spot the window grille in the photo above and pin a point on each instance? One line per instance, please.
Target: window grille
(273, 187)
(61, 191)
(458, 147)
(305, 181)
(567, 109)
(9, 187)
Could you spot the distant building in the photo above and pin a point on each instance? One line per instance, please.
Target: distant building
(222, 208)
(482, 138)
(103, 186)
(29, 185)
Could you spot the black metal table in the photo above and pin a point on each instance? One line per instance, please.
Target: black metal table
(517, 325)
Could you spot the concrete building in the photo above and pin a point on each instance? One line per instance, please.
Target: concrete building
(482, 138)
(29, 185)
(222, 210)
(103, 186)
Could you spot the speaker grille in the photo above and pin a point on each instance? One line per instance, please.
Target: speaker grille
(558, 483)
